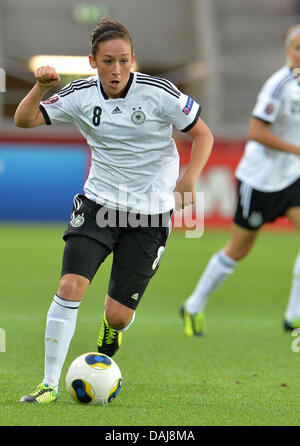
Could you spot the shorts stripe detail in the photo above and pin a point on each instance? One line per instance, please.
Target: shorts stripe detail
(77, 202)
(245, 194)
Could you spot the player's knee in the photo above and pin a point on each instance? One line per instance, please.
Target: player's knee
(72, 287)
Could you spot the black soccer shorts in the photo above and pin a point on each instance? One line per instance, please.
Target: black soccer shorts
(255, 208)
(137, 251)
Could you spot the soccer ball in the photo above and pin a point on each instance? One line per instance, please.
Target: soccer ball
(94, 378)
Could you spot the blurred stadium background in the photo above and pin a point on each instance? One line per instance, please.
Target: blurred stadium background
(219, 52)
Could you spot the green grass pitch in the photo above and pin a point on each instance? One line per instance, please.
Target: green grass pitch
(243, 372)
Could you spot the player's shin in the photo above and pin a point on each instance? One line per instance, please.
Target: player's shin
(60, 327)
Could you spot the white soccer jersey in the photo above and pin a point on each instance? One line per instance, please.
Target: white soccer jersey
(135, 163)
(278, 103)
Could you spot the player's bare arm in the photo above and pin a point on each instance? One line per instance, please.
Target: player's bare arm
(28, 114)
(259, 131)
(201, 149)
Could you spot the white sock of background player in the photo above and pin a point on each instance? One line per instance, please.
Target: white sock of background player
(293, 307)
(218, 269)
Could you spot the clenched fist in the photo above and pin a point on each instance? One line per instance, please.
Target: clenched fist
(46, 76)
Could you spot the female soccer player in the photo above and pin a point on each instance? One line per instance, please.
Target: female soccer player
(127, 120)
(268, 186)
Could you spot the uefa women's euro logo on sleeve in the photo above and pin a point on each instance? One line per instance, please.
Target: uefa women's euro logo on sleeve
(188, 106)
(269, 109)
(51, 100)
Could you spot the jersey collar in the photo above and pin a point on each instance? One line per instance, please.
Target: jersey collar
(125, 91)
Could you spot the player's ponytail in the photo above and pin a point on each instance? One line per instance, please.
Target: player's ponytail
(108, 29)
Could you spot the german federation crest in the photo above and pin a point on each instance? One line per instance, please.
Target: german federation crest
(255, 219)
(138, 117)
(77, 221)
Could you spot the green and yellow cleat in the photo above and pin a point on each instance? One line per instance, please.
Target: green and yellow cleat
(291, 325)
(109, 339)
(43, 394)
(193, 323)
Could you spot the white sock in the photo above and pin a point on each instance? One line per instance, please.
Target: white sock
(128, 325)
(218, 269)
(293, 308)
(60, 327)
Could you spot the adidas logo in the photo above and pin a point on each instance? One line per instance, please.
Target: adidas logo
(116, 111)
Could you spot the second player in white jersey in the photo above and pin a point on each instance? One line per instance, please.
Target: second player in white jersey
(135, 163)
(278, 104)
(268, 186)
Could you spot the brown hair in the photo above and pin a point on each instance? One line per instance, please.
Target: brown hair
(108, 29)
